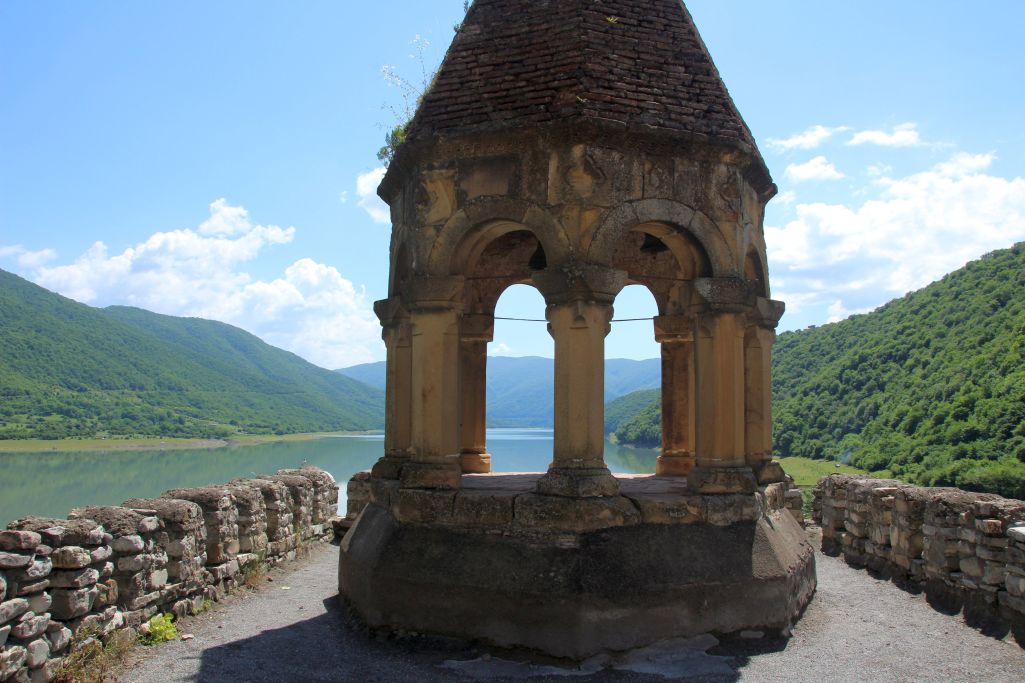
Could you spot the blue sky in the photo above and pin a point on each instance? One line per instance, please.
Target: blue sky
(218, 159)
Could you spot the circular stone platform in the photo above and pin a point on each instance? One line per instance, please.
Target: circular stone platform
(574, 577)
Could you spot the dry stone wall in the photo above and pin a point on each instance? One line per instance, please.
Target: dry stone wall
(107, 568)
(965, 550)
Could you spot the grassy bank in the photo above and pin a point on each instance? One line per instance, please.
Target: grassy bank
(807, 472)
(147, 443)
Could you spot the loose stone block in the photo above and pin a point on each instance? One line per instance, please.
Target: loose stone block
(14, 561)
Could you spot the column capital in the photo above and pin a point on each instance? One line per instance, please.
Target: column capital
(766, 313)
(391, 311)
(427, 293)
(674, 329)
(477, 327)
(576, 281)
(726, 294)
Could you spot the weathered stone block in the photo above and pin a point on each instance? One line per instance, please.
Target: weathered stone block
(71, 603)
(11, 659)
(38, 651)
(14, 560)
(78, 578)
(19, 540)
(13, 608)
(40, 602)
(30, 625)
(71, 557)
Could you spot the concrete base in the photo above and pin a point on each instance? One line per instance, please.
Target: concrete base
(576, 593)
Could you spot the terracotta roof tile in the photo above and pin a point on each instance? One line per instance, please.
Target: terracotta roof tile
(637, 63)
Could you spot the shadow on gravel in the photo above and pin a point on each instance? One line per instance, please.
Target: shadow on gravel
(336, 647)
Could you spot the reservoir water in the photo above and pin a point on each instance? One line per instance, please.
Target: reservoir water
(50, 484)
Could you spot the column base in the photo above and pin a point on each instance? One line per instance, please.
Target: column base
(722, 480)
(431, 475)
(674, 464)
(574, 482)
(390, 465)
(475, 463)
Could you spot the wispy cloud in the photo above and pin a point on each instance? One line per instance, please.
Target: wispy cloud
(26, 258)
(809, 139)
(818, 168)
(904, 135)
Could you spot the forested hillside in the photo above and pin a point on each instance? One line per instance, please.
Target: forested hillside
(67, 369)
(636, 419)
(930, 387)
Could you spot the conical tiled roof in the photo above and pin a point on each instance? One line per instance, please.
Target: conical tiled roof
(632, 63)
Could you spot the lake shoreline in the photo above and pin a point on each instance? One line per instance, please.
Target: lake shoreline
(157, 443)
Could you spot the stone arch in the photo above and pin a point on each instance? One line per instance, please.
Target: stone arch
(756, 270)
(468, 232)
(627, 216)
(401, 269)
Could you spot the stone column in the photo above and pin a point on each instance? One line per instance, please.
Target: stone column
(676, 335)
(758, 341)
(435, 386)
(721, 466)
(477, 331)
(397, 416)
(579, 310)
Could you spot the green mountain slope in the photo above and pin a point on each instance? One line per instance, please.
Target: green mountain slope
(521, 391)
(930, 387)
(628, 408)
(67, 369)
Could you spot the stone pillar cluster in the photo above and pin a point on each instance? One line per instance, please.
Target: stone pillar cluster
(111, 567)
(716, 384)
(966, 550)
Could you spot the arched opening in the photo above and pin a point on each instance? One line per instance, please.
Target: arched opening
(633, 377)
(664, 261)
(507, 375)
(520, 384)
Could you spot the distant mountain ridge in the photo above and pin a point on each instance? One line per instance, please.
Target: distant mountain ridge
(521, 391)
(67, 369)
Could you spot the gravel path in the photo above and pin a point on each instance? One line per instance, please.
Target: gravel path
(856, 629)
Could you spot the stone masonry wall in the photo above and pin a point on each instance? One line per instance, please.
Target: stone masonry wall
(965, 550)
(107, 568)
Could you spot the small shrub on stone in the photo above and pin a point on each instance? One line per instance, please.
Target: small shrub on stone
(159, 629)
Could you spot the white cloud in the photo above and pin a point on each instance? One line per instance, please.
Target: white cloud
(310, 309)
(904, 135)
(499, 349)
(26, 258)
(809, 139)
(854, 258)
(366, 188)
(343, 196)
(818, 168)
(786, 198)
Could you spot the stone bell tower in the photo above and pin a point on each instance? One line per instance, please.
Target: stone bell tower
(578, 146)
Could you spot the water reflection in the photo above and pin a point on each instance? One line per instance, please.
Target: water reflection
(51, 484)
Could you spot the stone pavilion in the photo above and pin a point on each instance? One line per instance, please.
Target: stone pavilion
(578, 146)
